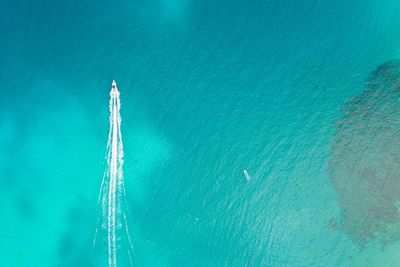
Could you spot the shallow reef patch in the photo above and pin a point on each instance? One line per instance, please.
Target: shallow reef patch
(365, 163)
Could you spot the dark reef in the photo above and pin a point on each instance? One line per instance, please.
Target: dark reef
(365, 163)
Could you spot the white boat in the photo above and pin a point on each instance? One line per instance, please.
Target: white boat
(246, 174)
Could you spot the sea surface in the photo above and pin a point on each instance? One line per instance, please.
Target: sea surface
(208, 89)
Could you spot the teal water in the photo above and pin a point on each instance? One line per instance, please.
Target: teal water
(208, 89)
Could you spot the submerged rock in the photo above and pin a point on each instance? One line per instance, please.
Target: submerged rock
(365, 163)
(332, 224)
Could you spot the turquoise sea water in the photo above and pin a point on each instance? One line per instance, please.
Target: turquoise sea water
(208, 89)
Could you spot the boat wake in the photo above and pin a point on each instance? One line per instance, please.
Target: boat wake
(112, 200)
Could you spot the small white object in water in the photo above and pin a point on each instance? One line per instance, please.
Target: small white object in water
(191, 216)
(246, 174)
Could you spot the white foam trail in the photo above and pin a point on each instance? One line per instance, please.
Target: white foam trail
(112, 188)
(114, 117)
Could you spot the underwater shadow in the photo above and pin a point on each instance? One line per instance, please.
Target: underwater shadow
(365, 163)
